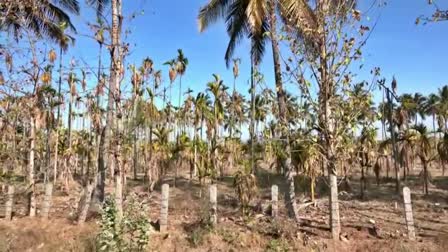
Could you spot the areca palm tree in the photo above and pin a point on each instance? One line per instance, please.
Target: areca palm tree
(172, 72)
(217, 89)
(236, 115)
(261, 111)
(200, 104)
(181, 67)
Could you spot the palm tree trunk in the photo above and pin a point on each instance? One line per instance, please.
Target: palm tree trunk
(434, 125)
(47, 152)
(180, 103)
(394, 143)
(195, 154)
(116, 65)
(135, 162)
(105, 144)
(327, 124)
(60, 84)
(55, 167)
(425, 177)
(31, 178)
(281, 99)
(443, 168)
(70, 118)
(98, 97)
(387, 166)
(252, 117)
(363, 181)
(135, 150)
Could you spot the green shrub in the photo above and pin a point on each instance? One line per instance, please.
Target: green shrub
(277, 245)
(129, 234)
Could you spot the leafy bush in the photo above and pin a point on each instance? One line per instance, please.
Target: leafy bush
(277, 245)
(129, 234)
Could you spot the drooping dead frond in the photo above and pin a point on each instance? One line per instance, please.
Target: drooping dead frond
(301, 18)
(256, 12)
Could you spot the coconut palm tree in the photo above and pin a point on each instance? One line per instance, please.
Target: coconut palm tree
(431, 109)
(41, 17)
(443, 107)
(407, 109)
(423, 152)
(254, 19)
(442, 149)
(420, 102)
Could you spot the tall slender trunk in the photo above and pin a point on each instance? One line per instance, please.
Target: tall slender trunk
(281, 99)
(31, 171)
(116, 66)
(55, 165)
(180, 104)
(135, 150)
(215, 151)
(150, 142)
(136, 101)
(425, 176)
(100, 52)
(47, 152)
(363, 182)
(252, 117)
(388, 166)
(60, 84)
(105, 142)
(69, 120)
(327, 125)
(195, 154)
(394, 144)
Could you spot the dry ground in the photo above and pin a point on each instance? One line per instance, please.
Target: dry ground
(373, 224)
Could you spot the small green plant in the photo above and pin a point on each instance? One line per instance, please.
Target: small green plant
(110, 236)
(277, 245)
(129, 234)
(137, 226)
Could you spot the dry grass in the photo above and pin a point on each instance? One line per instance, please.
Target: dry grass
(258, 232)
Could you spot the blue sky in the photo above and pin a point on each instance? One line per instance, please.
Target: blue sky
(416, 55)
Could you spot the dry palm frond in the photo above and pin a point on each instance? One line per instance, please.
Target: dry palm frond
(256, 12)
(245, 187)
(299, 16)
(52, 55)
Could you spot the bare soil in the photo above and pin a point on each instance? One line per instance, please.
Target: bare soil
(375, 223)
